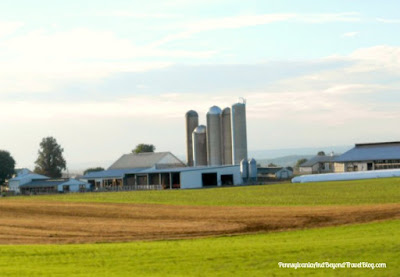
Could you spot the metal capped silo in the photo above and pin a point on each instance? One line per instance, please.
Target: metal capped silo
(214, 137)
(253, 169)
(226, 136)
(239, 132)
(200, 146)
(192, 121)
(244, 169)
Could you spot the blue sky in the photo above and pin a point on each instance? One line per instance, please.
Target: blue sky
(97, 74)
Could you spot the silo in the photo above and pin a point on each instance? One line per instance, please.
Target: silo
(192, 121)
(239, 133)
(214, 138)
(200, 146)
(244, 169)
(253, 170)
(226, 136)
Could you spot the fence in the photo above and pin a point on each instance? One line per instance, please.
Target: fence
(129, 188)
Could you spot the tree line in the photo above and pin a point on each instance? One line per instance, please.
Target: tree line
(50, 161)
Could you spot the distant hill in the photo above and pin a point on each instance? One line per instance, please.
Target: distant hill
(284, 161)
(307, 151)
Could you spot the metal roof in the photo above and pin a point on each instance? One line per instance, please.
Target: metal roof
(43, 183)
(52, 183)
(371, 152)
(318, 159)
(32, 176)
(112, 173)
(143, 160)
(185, 169)
(120, 173)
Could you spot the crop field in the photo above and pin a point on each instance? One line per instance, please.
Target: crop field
(375, 191)
(250, 255)
(210, 232)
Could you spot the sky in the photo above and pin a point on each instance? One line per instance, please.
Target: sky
(103, 76)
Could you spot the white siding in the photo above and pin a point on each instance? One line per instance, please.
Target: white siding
(193, 178)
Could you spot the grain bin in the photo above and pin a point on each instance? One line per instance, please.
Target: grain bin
(200, 146)
(214, 138)
(253, 170)
(226, 136)
(239, 133)
(192, 121)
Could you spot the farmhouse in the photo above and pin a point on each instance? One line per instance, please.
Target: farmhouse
(369, 156)
(274, 172)
(160, 171)
(318, 164)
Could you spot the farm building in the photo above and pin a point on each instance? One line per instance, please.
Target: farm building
(23, 178)
(54, 186)
(318, 164)
(369, 156)
(160, 171)
(274, 172)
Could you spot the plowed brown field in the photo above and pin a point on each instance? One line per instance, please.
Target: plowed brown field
(25, 222)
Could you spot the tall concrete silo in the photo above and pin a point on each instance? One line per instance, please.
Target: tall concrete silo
(239, 132)
(214, 138)
(244, 169)
(192, 121)
(226, 136)
(200, 146)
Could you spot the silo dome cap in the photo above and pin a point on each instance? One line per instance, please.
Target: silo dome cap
(191, 113)
(214, 110)
(201, 129)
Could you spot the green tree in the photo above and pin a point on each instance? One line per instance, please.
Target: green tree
(50, 161)
(7, 166)
(321, 153)
(300, 162)
(141, 148)
(272, 165)
(93, 169)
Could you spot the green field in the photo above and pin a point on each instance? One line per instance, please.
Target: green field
(375, 191)
(251, 255)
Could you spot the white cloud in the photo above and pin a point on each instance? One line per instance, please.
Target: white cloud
(127, 13)
(350, 34)
(39, 60)
(7, 28)
(329, 17)
(241, 21)
(385, 20)
(232, 22)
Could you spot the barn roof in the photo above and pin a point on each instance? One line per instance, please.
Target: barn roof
(372, 151)
(145, 160)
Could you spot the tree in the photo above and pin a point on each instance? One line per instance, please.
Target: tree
(300, 162)
(272, 165)
(93, 169)
(321, 153)
(7, 166)
(50, 161)
(141, 148)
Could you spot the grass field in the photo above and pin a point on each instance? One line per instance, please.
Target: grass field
(259, 211)
(251, 255)
(375, 191)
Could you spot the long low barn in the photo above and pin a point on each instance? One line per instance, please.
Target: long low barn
(168, 178)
